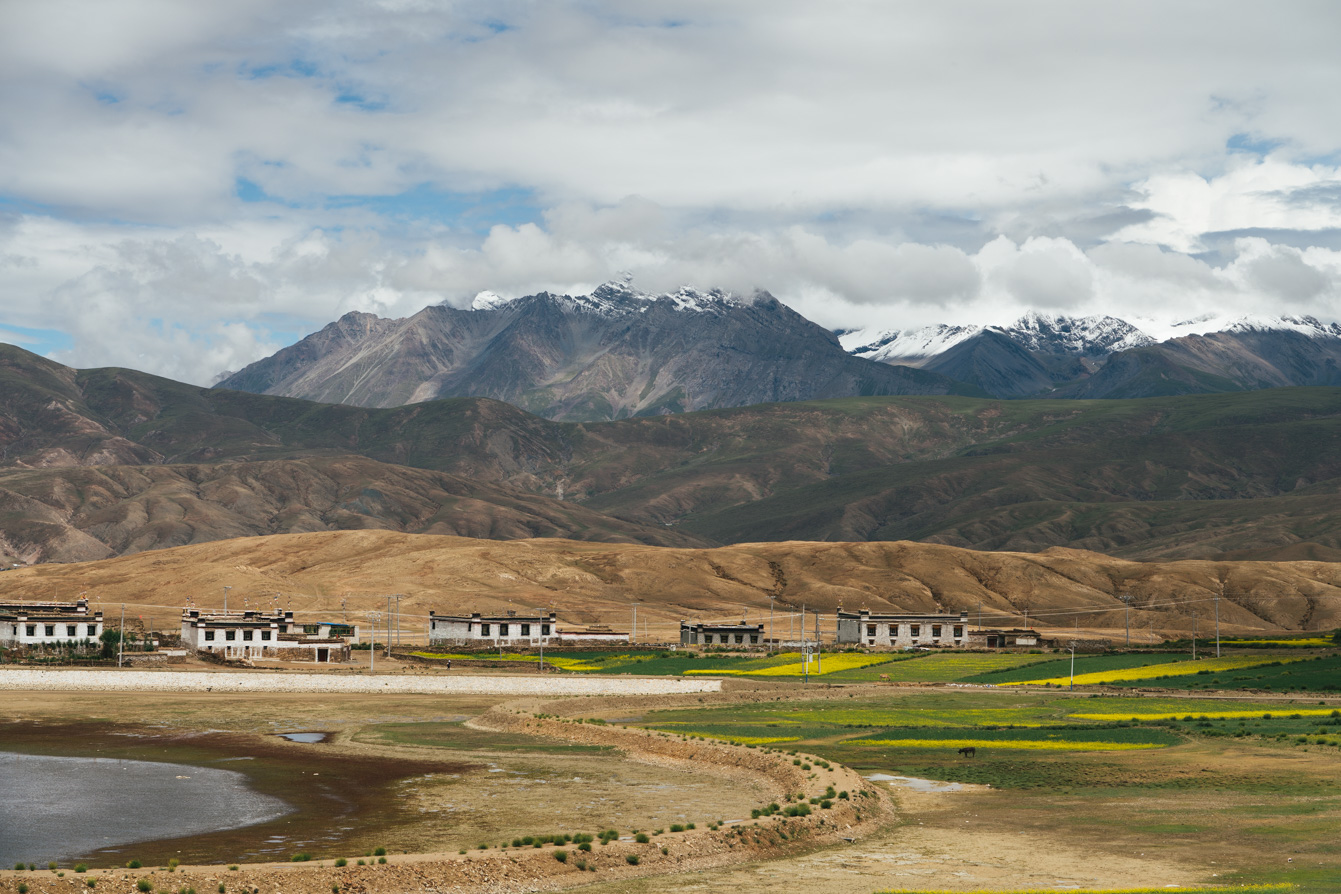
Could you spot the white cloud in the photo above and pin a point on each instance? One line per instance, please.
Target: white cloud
(893, 164)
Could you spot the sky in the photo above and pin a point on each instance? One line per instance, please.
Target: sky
(187, 187)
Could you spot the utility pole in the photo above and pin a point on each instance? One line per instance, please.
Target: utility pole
(819, 661)
(1126, 604)
(633, 636)
(980, 614)
(1194, 636)
(121, 640)
(372, 644)
(226, 589)
(388, 627)
(1073, 665)
(771, 597)
(805, 653)
(1217, 626)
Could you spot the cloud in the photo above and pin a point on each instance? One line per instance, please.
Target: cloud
(184, 186)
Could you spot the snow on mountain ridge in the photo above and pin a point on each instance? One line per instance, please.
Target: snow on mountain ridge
(893, 345)
(618, 297)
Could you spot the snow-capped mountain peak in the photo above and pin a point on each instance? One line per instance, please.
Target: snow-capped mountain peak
(1084, 336)
(906, 345)
(487, 300)
(1210, 323)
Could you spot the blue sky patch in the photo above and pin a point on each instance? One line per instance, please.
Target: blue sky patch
(475, 211)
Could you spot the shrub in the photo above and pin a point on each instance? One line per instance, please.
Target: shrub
(19, 866)
(665, 851)
(380, 852)
(232, 867)
(341, 861)
(561, 856)
(689, 825)
(631, 859)
(136, 864)
(144, 885)
(81, 867)
(173, 864)
(482, 846)
(52, 864)
(23, 888)
(842, 796)
(641, 838)
(677, 827)
(363, 862)
(335, 889)
(381, 859)
(581, 865)
(222, 889)
(826, 804)
(91, 882)
(301, 857)
(584, 846)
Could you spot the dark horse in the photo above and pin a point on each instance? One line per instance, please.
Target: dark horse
(968, 751)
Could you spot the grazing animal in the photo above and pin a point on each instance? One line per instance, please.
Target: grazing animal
(968, 751)
(884, 678)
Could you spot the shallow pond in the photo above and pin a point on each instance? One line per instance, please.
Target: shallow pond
(59, 808)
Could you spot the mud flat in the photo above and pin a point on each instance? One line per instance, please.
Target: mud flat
(190, 681)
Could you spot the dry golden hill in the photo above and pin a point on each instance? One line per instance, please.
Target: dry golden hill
(598, 583)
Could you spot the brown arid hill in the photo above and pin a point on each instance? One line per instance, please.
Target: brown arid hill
(101, 462)
(593, 583)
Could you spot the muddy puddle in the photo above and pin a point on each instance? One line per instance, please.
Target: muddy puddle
(338, 803)
(60, 808)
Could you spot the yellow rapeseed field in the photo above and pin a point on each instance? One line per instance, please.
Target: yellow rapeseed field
(1005, 743)
(1280, 711)
(828, 664)
(1151, 671)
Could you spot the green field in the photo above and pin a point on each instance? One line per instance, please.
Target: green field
(1319, 674)
(1050, 666)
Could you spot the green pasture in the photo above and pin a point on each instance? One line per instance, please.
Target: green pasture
(1320, 674)
(1051, 666)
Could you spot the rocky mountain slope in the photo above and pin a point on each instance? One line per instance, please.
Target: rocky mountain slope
(612, 354)
(1103, 357)
(591, 583)
(119, 461)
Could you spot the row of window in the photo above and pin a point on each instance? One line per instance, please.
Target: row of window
(231, 635)
(726, 638)
(504, 628)
(71, 630)
(914, 630)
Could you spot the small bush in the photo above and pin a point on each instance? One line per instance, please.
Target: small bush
(561, 856)
(19, 866)
(826, 804)
(665, 852)
(641, 838)
(52, 864)
(81, 867)
(381, 860)
(232, 867)
(585, 846)
(136, 864)
(222, 889)
(363, 862)
(581, 865)
(482, 846)
(23, 888)
(341, 861)
(144, 885)
(91, 882)
(173, 864)
(676, 827)
(380, 852)
(842, 796)
(335, 889)
(301, 857)
(631, 859)
(689, 825)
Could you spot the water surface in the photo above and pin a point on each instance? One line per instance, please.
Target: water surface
(61, 808)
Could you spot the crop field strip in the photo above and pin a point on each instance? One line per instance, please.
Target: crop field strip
(1157, 671)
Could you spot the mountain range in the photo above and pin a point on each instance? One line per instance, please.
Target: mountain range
(618, 353)
(97, 463)
(1104, 357)
(612, 354)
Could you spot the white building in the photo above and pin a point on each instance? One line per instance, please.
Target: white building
(49, 623)
(592, 636)
(723, 634)
(903, 630)
(508, 629)
(250, 634)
